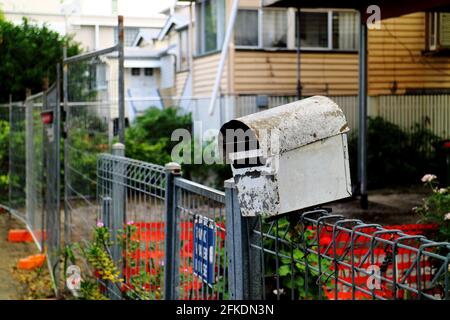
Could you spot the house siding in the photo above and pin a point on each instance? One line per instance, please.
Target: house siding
(267, 72)
(204, 75)
(396, 59)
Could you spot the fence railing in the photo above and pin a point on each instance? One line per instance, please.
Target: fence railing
(132, 196)
(320, 255)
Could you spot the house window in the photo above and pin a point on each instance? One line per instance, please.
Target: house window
(313, 30)
(438, 31)
(148, 72)
(345, 30)
(129, 35)
(210, 25)
(274, 28)
(135, 71)
(246, 28)
(183, 53)
(432, 30)
(332, 30)
(320, 29)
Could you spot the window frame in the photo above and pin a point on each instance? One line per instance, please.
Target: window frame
(432, 29)
(259, 28)
(138, 72)
(200, 39)
(149, 74)
(292, 32)
(179, 67)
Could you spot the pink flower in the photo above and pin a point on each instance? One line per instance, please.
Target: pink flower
(131, 222)
(428, 178)
(100, 224)
(447, 216)
(442, 190)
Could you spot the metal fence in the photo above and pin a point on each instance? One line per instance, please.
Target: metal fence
(173, 229)
(132, 197)
(320, 255)
(90, 96)
(198, 218)
(51, 127)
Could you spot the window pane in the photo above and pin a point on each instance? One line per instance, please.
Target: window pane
(345, 30)
(246, 28)
(130, 34)
(183, 52)
(210, 25)
(313, 30)
(275, 28)
(148, 71)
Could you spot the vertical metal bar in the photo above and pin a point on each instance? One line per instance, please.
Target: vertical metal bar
(362, 137)
(121, 82)
(57, 171)
(106, 218)
(172, 170)
(29, 163)
(234, 243)
(118, 219)
(10, 153)
(67, 221)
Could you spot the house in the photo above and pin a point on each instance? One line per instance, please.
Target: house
(409, 61)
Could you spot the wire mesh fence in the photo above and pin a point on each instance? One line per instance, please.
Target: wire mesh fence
(320, 255)
(202, 272)
(17, 161)
(90, 96)
(51, 180)
(4, 154)
(140, 188)
(34, 160)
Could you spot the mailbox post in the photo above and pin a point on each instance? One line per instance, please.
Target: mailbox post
(287, 158)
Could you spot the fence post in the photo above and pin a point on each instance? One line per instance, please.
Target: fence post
(118, 219)
(10, 151)
(30, 188)
(171, 263)
(244, 263)
(121, 84)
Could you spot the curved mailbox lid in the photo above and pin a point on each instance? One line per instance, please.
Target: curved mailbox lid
(297, 124)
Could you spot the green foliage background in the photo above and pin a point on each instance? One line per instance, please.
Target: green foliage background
(395, 157)
(28, 54)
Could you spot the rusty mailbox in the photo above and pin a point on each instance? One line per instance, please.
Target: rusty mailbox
(288, 158)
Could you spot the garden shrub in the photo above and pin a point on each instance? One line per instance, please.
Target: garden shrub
(394, 157)
(148, 139)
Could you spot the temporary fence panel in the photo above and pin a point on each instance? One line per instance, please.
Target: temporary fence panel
(5, 125)
(200, 258)
(139, 231)
(34, 171)
(17, 161)
(90, 86)
(50, 118)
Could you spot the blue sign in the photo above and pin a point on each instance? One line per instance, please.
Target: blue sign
(204, 248)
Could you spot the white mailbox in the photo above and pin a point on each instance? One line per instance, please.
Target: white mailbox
(290, 157)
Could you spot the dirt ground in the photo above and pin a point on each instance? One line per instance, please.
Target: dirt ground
(386, 206)
(10, 253)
